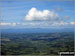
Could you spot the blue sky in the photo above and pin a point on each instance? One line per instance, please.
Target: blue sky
(15, 13)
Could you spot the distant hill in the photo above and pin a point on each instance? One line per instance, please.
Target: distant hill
(37, 30)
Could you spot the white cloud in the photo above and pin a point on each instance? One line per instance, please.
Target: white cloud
(13, 24)
(7, 24)
(39, 24)
(36, 15)
(73, 23)
(66, 17)
(61, 23)
(47, 24)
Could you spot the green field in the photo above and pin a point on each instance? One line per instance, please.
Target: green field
(36, 43)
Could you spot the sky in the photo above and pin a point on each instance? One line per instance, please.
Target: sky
(37, 14)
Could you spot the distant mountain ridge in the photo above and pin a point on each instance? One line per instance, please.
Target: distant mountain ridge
(37, 30)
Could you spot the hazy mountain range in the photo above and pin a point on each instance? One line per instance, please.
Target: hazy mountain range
(37, 30)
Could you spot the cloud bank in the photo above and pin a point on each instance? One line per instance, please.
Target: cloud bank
(38, 24)
(8, 24)
(36, 15)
